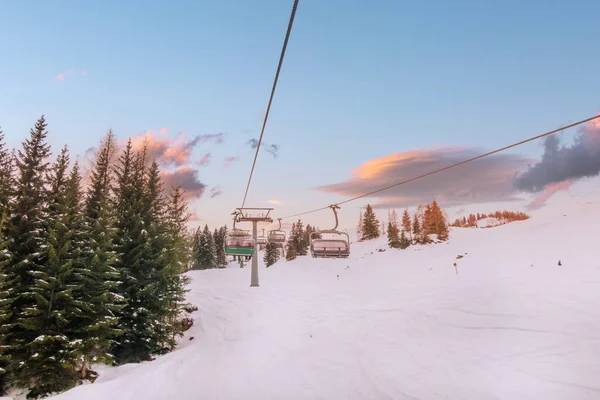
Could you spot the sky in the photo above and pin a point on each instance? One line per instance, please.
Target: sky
(369, 93)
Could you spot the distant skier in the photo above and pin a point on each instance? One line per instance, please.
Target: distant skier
(559, 263)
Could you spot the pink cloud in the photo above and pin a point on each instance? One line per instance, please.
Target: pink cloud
(229, 161)
(205, 160)
(548, 191)
(164, 131)
(84, 72)
(61, 77)
(187, 177)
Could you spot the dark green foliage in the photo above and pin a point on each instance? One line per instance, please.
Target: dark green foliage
(26, 230)
(404, 241)
(81, 281)
(97, 295)
(272, 254)
(393, 236)
(370, 228)
(205, 250)
(297, 244)
(416, 228)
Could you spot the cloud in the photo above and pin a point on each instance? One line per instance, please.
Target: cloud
(562, 163)
(187, 177)
(484, 180)
(89, 152)
(229, 160)
(171, 151)
(272, 149)
(275, 202)
(548, 191)
(164, 131)
(205, 160)
(61, 77)
(214, 192)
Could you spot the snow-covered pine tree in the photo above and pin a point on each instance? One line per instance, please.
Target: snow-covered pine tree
(271, 254)
(5, 287)
(97, 295)
(135, 264)
(197, 255)
(51, 368)
(300, 241)
(6, 176)
(211, 250)
(219, 237)
(173, 282)
(370, 227)
(26, 233)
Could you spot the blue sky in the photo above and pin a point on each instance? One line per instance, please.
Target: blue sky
(361, 80)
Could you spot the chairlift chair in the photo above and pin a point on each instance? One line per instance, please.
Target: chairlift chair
(277, 235)
(239, 243)
(338, 247)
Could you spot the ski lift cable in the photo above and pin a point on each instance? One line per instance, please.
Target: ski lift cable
(450, 166)
(285, 42)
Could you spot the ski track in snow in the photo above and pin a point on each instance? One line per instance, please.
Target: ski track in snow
(397, 325)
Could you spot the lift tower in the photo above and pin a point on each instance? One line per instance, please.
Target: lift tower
(254, 215)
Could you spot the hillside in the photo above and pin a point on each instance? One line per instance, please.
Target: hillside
(397, 324)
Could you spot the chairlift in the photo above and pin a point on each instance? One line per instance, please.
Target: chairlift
(239, 243)
(261, 240)
(277, 235)
(338, 247)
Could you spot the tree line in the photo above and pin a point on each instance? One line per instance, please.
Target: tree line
(502, 216)
(88, 273)
(427, 220)
(209, 248)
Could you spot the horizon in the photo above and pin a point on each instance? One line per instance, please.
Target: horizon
(354, 109)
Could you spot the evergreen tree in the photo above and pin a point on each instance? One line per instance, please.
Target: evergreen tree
(219, 236)
(291, 246)
(197, 244)
(136, 265)
(97, 293)
(300, 241)
(5, 285)
(404, 242)
(392, 234)
(271, 254)
(370, 227)
(52, 366)
(6, 176)
(439, 224)
(416, 229)
(406, 225)
(25, 229)
(211, 250)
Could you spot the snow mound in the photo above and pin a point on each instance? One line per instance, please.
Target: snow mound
(506, 323)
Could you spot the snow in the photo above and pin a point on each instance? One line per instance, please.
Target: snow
(396, 324)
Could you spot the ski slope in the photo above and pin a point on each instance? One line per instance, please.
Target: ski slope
(512, 324)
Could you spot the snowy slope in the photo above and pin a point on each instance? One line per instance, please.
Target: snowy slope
(397, 324)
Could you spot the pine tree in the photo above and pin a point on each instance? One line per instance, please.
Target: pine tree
(6, 176)
(416, 229)
(370, 227)
(301, 244)
(5, 286)
(392, 234)
(211, 250)
(404, 242)
(291, 246)
(197, 244)
(25, 229)
(406, 226)
(219, 237)
(52, 366)
(271, 254)
(97, 295)
(439, 224)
